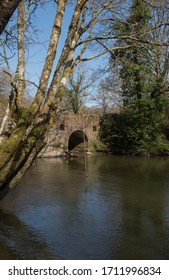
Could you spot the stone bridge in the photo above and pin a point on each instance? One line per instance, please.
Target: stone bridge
(68, 132)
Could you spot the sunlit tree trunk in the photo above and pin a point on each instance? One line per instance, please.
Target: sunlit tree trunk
(27, 138)
(7, 7)
(20, 73)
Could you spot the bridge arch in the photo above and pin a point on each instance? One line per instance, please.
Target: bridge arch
(76, 138)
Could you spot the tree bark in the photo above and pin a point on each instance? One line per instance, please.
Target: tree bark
(51, 53)
(7, 7)
(27, 137)
(25, 151)
(20, 73)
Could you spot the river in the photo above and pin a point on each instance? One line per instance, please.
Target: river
(118, 208)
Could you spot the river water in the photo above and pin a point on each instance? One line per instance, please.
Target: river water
(117, 209)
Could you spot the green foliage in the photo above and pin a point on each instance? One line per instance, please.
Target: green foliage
(112, 132)
(97, 146)
(159, 146)
(74, 100)
(142, 126)
(134, 64)
(136, 128)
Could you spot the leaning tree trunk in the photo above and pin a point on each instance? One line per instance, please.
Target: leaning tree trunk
(27, 143)
(24, 139)
(22, 143)
(7, 7)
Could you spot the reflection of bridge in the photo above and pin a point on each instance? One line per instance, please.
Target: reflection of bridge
(68, 132)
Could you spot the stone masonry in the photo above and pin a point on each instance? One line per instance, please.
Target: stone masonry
(68, 132)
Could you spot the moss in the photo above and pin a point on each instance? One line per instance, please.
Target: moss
(51, 121)
(25, 117)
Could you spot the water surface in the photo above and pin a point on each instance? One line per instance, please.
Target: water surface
(120, 210)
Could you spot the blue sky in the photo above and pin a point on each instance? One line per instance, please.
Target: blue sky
(37, 53)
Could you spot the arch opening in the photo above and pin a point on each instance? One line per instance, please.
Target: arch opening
(76, 138)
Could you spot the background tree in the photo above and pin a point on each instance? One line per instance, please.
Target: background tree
(107, 95)
(159, 53)
(143, 69)
(134, 67)
(77, 90)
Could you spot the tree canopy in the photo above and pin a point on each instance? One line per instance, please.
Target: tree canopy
(143, 69)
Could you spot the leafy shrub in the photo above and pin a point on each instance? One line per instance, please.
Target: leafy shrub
(137, 126)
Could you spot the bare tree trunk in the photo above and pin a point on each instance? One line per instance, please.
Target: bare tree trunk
(46, 72)
(4, 121)
(20, 73)
(7, 7)
(26, 139)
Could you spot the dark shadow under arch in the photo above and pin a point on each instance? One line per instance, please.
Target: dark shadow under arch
(76, 138)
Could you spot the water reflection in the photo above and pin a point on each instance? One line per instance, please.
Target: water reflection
(143, 186)
(18, 241)
(120, 211)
